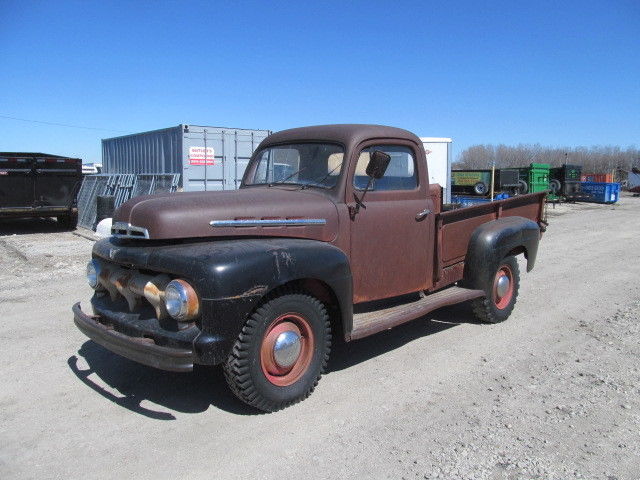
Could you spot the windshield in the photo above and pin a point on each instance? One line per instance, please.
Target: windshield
(306, 164)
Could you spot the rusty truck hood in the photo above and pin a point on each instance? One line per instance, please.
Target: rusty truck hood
(272, 212)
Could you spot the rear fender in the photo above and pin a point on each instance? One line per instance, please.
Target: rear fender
(493, 241)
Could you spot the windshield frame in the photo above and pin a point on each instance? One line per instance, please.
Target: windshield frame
(250, 172)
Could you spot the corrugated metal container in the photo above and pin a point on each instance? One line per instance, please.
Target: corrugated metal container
(600, 192)
(207, 158)
(597, 177)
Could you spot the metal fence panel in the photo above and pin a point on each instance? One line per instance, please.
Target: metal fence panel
(92, 186)
(123, 187)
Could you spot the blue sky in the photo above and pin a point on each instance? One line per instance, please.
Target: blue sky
(556, 73)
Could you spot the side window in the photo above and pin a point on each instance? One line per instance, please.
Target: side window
(400, 175)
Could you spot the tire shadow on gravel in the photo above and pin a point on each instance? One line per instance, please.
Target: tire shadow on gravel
(134, 384)
(347, 354)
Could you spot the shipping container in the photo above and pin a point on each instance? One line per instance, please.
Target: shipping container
(439, 155)
(207, 158)
(597, 177)
(601, 192)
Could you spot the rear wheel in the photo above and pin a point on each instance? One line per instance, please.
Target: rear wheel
(69, 221)
(281, 352)
(555, 186)
(501, 291)
(523, 187)
(480, 188)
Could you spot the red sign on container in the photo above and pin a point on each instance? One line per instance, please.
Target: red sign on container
(198, 156)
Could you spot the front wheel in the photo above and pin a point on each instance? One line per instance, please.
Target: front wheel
(281, 352)
(501, 291)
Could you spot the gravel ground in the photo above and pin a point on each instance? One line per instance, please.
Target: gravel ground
(553, 393)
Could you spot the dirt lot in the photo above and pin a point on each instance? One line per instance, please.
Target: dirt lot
(553, 393)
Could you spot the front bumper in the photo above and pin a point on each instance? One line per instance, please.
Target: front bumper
(139, 349)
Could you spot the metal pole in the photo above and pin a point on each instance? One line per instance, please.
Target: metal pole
(493, 178)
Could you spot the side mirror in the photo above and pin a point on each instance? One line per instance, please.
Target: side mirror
(378, 163)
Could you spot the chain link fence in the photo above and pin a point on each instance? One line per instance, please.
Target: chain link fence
(123, 187)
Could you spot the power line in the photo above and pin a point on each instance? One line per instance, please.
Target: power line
(61, 124)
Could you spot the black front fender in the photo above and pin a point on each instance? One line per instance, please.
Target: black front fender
(231, 277)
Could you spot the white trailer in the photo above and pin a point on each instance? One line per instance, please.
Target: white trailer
(439, 157)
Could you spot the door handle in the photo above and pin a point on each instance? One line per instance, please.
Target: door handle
(421, 215)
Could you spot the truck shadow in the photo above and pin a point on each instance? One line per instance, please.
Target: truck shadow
(345, 355)
(25, 226)
(130, 384)
(134, 384)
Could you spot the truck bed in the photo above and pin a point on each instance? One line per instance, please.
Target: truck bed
(455, 227)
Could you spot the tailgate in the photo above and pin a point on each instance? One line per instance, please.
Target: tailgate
(455, 227)
(57, 181)
(16, 182)
(38, 183)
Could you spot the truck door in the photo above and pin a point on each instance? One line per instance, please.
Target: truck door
(392, 238)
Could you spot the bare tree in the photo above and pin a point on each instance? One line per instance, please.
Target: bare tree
(596, 159)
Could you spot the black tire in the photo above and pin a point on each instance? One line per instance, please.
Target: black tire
(248, 375)
(68, 222)
(493, 308)
(480, 188)
(555, 186)
(523, 187)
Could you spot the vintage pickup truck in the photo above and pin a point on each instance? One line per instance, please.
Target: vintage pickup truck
(335, 229)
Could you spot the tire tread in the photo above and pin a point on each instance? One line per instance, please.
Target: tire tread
(237, 367)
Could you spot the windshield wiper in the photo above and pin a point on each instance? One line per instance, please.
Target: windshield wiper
(279, 182)
(319, 183)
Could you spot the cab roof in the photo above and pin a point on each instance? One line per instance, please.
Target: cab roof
(349, 135)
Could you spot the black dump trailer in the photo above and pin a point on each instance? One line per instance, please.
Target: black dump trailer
(565, 182)
(40, 185)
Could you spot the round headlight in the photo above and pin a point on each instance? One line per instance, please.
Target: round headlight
(93, 274)
(181, 300)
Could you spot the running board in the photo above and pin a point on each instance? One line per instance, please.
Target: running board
(368, 323)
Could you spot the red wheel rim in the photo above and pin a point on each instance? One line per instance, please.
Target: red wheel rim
(501, 301)
(277, 374)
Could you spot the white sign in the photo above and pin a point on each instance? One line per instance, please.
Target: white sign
(197, 156)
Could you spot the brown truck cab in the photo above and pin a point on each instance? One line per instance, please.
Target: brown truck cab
(334, 230)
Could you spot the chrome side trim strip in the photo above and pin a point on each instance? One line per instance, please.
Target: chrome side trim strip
(298, 222)
(126, 230)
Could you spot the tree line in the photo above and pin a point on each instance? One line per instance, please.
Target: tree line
(598, 159)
